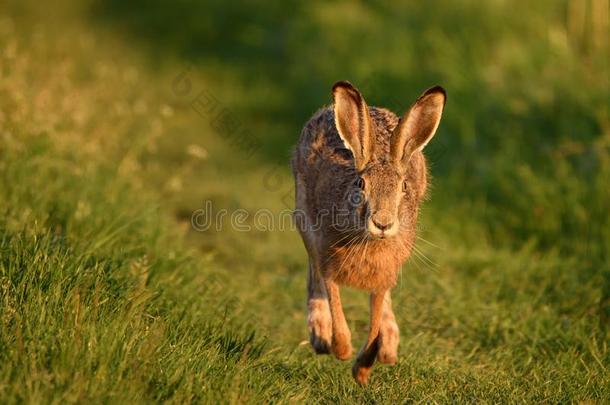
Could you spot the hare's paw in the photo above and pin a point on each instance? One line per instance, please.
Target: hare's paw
(361, 374)
(320, 344)
(319, 323)
(364, 362)
(388, 342)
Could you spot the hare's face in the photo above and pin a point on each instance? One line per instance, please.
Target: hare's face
(381, 186)
(383, 175)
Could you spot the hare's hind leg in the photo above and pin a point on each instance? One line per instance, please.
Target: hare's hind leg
(319, 321)
(366, 357)
(388, 333)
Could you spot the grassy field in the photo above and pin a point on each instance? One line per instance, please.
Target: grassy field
(109, 294)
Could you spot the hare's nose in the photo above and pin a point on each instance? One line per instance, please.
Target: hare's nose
(382, 226)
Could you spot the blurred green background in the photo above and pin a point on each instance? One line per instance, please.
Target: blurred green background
(528, 86)
(107, 293)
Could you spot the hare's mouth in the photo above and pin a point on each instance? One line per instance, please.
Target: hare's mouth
(380, 236)
(381, 231)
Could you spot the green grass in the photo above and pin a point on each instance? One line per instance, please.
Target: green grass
(107, 294)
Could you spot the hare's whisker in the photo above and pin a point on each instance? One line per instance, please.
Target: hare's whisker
(366, 245)
(347, 246)
(428, 242)
(430, 261)
(418, 256)
(344, 237)
(352, 249)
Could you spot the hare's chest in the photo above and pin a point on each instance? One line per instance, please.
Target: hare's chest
(365, 267)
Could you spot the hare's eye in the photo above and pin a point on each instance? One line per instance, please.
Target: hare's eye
(360, 183)
(405, 186)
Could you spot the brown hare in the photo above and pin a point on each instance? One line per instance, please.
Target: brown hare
(360, 177)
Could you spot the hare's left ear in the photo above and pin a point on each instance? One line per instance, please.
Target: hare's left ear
(418, 125)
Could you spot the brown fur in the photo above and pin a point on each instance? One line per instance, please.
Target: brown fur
(355, 237)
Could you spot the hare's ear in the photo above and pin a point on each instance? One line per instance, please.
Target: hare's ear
(418, 125)
(353, 122)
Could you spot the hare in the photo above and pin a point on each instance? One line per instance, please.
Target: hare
(360, 176)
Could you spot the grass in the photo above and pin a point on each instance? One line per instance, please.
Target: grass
(107, 293)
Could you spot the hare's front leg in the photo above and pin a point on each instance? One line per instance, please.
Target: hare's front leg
(319, 320)
(342, 337)
(388, 333)
(366, 357)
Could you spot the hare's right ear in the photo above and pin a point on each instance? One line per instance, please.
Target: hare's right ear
(353, 122)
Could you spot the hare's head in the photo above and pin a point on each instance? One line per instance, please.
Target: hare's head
(388, 189)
